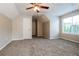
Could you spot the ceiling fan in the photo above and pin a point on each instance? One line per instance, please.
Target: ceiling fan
(37, 6)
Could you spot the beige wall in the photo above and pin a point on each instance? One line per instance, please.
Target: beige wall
(54, 26)
(71, 37)
(74, 38)
(17, 28)
(5, 31)
(22, 28)
(27, 27)
(46, 29)
(39, 28)
(33, 27)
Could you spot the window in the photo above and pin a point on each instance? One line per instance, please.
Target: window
(71, 25)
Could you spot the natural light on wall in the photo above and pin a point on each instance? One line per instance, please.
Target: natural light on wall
(70, 25)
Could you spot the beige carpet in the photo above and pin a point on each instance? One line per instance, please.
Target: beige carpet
(41, 47)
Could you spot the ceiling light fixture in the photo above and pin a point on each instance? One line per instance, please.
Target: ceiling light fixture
(36, 8)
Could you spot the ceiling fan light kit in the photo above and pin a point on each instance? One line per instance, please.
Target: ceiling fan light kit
(36, 7)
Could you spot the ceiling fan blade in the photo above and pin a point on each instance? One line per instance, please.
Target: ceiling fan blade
(32, 3)
(29, 8)
(46, 7)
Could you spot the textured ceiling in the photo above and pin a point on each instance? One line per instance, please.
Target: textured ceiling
(22, 8)
(13, 10)
(56, 8)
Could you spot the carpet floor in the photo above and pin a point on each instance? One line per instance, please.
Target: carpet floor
(41, 47)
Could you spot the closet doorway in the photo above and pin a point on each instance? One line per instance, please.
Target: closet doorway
(40, 27)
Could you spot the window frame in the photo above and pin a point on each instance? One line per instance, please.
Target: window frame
(72, 33)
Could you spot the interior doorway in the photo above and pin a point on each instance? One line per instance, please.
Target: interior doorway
(40, 27)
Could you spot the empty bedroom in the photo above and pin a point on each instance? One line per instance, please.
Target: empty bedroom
(39, 29)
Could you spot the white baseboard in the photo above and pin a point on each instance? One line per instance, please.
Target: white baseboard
(5, 44)
(10, 42)
(17, 39)
(20, 39)
(53, 38)
(69, 39)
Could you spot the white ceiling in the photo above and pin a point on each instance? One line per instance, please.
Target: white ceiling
(12, 10)
(56, 8)
(9, 10)
(22, 8)
(63, 8)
